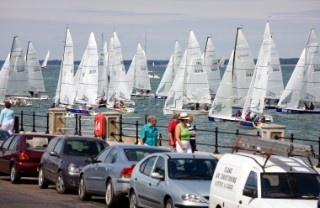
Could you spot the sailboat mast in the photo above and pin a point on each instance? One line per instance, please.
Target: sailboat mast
(234, 53)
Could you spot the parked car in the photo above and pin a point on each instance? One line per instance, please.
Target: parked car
(3, 136)
(20, 155)
(172, 180)
(109, 174)
(64, 158)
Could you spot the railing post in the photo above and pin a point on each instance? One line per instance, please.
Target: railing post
(76, 128)
(237, 132)
(120, 126)
(137, 132)
(318, 166)
(216, 144)
(33, 122)
(146, 119)
(291, 138)
(258, 133)
(80, 126)
(16, 124)
(160, 140)
(21, 127)
(47, 132)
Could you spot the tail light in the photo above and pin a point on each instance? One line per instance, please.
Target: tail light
(127, 171)
(23, 156)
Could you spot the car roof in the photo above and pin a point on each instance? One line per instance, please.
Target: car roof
(275, 163)
(174, 155)
(134, 146)
(80, 138)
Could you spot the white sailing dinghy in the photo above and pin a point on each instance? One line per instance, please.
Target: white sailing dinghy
(4, 76)
(190, 85)
(64, 92)
(235, 82)
(137, 75)
(86, 85)
(45, 61)
(118, 86)
(35, 78)
(304, 83)
(211, 67)
(257, 93)
(170, 72)
(103, 72)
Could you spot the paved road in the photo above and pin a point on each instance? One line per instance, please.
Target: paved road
(27, 194)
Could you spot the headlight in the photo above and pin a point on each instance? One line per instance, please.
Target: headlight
(191, 198)
(73, 168)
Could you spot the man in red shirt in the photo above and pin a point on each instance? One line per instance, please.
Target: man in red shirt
(171, 128)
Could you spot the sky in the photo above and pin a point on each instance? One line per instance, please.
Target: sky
(156, 24)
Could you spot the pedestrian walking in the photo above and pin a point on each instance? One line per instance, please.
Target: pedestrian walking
(7, 117)
(171, 131)
(149, 132)
(182, 134)
(192, 134)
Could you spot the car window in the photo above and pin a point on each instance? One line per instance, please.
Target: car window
(13, 144)
(147, 166)
(58, 147)
(6, 144)
(111, 157)
(4, 134)
(137, 154)
(159, 168)
(83, 147)
(34, 142)
(251, 181)
(103, 154)
(52, 144)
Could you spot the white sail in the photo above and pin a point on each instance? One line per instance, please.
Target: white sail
(4, 75)
(211, 66)
(45, 61)
(137, 76)
(304, 84)
(35, 77)
(120, 85)
(170, 71)
(18, 75)
(190, 85)
(103, 70)
(243, 67)
(65, 92)
(88, 81)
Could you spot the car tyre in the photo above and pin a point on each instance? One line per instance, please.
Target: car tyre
(60, 186)
(169, 203)
(14, 176)
(110, 197)
(133, 200)
(42, 181)
(82, 191)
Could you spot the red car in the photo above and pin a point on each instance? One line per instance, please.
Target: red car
(20, 155)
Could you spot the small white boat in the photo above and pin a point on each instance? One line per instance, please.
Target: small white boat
(153, 75)
(123, 110)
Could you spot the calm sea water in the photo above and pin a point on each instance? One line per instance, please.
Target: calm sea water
(302, 126)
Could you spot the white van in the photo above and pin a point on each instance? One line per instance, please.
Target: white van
(249, 180)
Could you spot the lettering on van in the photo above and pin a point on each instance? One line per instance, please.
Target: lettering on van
(225, 179)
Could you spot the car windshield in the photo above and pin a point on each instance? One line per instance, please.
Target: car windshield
(83, 148)
(290, 185)
(139, 153)
(194, 168)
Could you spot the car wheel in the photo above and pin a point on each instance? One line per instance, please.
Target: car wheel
(133, 200)
(60, 187)
(82, 191)
(14, 176)
(169, 203)
(110, 197)
(42, 181)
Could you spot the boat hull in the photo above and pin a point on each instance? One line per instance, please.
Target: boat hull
(217, 119)
(170, 111)
(297, 111)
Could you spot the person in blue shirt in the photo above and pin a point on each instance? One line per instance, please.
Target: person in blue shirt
(149, 132)
(7, 117)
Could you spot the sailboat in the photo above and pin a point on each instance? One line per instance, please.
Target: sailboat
(235, 82)
(257, 93)
(304, 83)
(190, 85)
(211, 67)
(103, 72)
(4, 75)
(170, 72)
(64, 92)
(137, 75)
(45, 61)
(35, 77)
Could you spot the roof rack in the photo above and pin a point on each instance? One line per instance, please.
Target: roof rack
(270, 147)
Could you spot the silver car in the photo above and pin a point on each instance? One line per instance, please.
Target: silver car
(172, 180)
(109, 173)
